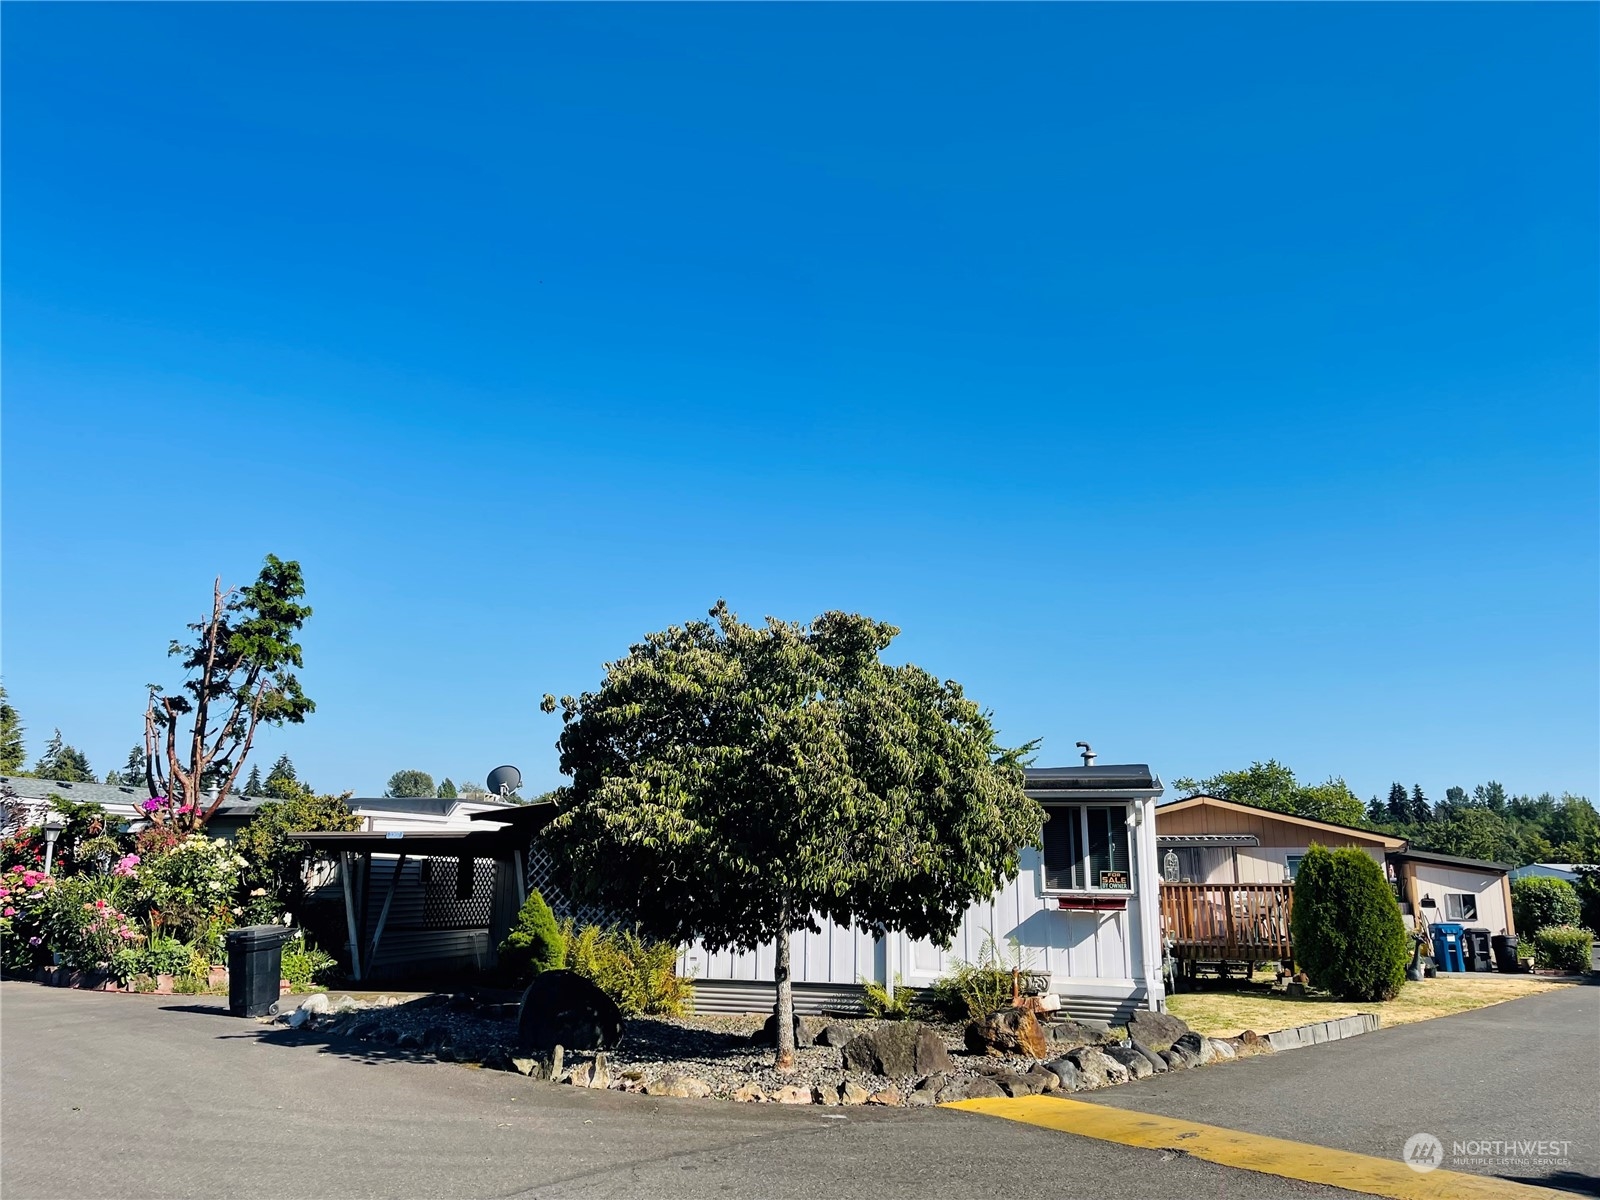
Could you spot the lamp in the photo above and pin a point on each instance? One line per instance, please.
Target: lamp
(52, 832)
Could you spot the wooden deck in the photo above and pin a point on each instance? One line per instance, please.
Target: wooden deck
(1236, 922)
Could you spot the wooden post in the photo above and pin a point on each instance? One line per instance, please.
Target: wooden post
(346, 866)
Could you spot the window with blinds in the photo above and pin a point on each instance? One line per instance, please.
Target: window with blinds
(1087, 847)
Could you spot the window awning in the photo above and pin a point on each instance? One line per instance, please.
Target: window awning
(1170, 840)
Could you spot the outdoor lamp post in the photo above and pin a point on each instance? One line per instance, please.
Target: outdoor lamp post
(52, 831)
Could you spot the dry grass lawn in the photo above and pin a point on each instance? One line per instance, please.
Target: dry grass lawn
(1225, 1013)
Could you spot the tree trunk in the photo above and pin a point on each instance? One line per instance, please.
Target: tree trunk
(785, 1010)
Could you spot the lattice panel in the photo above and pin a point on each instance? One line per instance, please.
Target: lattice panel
(441, 907)
(542, 879)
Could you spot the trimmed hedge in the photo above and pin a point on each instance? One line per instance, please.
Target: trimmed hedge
(1539, 901)
(1346, 926)
(1564, 948)
(535, 943)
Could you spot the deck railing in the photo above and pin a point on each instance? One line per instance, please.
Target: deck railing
(1236, 921)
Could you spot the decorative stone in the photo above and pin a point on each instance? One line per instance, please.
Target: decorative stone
(1156, 1030)
(1138, 1065)
(834, 1035)
(594, 1074)
(826, 1096)
(749, 1093)
(927, 1092)
(767, 1035)
(684, 1087)
(1068, 1077)
(525, 1066)
(1175, 1060)
(1014, 1085)
(851, 1092)
(317, 1004)
(1220, 1050)
(1153, 1057)
(1006, 1033)
(563, 1008)
(792, 1094)
(889, 1097)
(1096, 1068)
(975, 1087)
(1193, 1047)
(1065, 1035)
(897, 1049)
(1047, 1080)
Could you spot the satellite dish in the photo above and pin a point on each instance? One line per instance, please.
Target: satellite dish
(504, 780)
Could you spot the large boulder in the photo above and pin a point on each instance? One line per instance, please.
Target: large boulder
(1096, 1068)
(1193, 1047)
(1007, 1033)
(974, 1087)
(1157, 1063)
(1067, 1073)
(561, 1008)
(897, 1049)
(1138, 1065)
(1155, 1029)
(767, 1035)
(1068, 1034)
(832, 1034)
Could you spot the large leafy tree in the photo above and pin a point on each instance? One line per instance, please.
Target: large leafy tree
(12, 753)
(1272, 785)
(277, 861)
(409, 783)
(240, 676)
(63, 762)
(735, 783)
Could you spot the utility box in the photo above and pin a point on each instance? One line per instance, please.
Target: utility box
(255, 963)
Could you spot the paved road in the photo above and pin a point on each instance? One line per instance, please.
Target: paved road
(132, 1096)
(1526, 1070)
(135, 1096)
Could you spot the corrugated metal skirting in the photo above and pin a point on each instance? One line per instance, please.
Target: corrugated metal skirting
(756, 996)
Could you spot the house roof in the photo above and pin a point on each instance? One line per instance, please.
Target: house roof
(107, 794)
(1202, 801)
(418, 843)
(1128, 777)
(1449, 860)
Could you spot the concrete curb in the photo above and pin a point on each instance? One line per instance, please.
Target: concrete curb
(1318, 1032)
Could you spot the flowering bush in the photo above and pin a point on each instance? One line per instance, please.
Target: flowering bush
(189, 889)
(25, 898)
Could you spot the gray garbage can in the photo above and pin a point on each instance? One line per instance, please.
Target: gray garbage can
(255, 962)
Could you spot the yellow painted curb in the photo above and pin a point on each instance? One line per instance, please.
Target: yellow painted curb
(1250, 1151)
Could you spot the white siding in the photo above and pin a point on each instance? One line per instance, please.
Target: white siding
(1434, 880)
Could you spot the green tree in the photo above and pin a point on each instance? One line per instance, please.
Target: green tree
(1572, 823)
(132, 773)
(1346, 925)
(1491, 796)
(63, 762)
(1271, 785)
(239, 676)
(281, 779)
(12, 753)
(734, 783)
(1539, 901)
(409, 783)
(535, 943)
(1399, 804)
(1472, 833)
(252, 784)
(276, 861)
(447, 790)
(1419, 811)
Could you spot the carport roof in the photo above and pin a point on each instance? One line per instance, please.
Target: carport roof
(1450, 860)
(416, 843)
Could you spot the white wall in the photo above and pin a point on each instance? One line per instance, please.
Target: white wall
(1434, 880)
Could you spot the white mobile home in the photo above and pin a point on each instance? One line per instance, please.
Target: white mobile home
(1084, 910)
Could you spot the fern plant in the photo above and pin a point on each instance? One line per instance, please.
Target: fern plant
(884, 1004)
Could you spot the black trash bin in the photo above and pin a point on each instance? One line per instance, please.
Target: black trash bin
(1475, 948)
(1505, 952)
(255, 961)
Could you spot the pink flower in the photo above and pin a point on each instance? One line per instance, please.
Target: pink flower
(153, 803)
(9, 912)
(34, 941)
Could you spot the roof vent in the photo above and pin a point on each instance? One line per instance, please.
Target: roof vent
(1088, 753)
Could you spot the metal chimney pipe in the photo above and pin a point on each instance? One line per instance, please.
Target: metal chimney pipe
(1088, 754)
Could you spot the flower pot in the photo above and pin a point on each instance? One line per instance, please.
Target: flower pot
(163, 985)
(218, 977)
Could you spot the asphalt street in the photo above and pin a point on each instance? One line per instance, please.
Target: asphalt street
(142, 1096)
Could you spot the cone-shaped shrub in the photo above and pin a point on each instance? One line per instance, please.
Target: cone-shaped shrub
(1346, 926)
(535, 943)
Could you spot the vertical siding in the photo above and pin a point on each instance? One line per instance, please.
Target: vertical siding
(1435, 880)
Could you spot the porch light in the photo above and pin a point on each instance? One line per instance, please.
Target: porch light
(52, 833)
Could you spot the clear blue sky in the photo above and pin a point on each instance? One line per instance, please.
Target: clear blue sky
(1209, 383)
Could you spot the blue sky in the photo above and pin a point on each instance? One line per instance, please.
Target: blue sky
(1209, 383)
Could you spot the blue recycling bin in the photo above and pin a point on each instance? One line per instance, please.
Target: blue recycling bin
(1448, 941)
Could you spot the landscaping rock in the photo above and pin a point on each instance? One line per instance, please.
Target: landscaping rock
(525, 1066)
(889, 1097)
(927, 1092)
(1007, 1033)
(317, 1004)
(1220, 1050)
(562, 1008)
(828, 1097)
(684, 1087)
(851, 1092)
(409, 1041)
(749, 1093)
(1096, 1068)
(1193, 1047)
(898, 1050)
(1156, 1030)
(767, 1035)
(1014, 1085)
(792, 1094)
(1138, 1065)
(834, 1035)
(596, 1074)
(1048, 1081)
(1153, 1057)
(496, 1059)
(974, 1087)
(1066, 1072)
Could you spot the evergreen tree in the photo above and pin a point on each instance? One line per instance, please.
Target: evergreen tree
(12, 754)
(63, 762)
(1491, 796)
(447, 790)
(252, 783)
(1421, 810)
(282, 772)
(1377, 811)
(1399, 804)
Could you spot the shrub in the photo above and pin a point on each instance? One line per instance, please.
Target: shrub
(1346, 926)
(26, 896)
(640, 975)
(275, 878)
(303, 962)
(973, 990)
(1588, 889)
(1538, 902)
(535, 942)
(189, 890)
(1564, 948)
(880, 1002)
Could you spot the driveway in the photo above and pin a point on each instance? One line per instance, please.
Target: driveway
(136, 1096)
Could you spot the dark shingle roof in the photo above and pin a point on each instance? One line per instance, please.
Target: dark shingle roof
(1127, 777)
